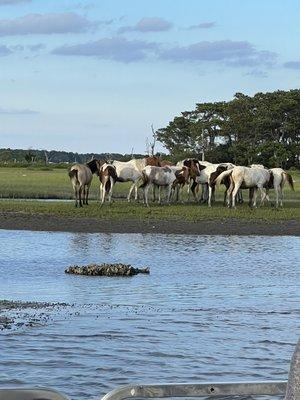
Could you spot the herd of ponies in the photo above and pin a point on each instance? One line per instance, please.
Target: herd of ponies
(195, 174)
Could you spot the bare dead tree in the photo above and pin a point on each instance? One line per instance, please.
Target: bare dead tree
(152, 144)
(147, 147)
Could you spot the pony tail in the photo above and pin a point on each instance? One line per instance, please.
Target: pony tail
(271, 181)
(108, 184)
(290, 180)
(73, 174)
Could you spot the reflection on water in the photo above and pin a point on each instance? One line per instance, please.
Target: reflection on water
(213, 308)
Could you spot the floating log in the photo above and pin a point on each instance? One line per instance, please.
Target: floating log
(106, 270)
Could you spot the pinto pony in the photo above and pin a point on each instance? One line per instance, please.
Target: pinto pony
(81, 176)
(158, 176)
(194, 167)
(131, 171)
(107, 177)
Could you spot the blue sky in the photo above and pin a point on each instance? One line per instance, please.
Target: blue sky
(92, 76)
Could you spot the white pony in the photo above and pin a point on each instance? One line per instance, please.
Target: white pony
(280, 178)
(245, 178)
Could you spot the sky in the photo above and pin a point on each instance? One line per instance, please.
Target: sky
(93, 76)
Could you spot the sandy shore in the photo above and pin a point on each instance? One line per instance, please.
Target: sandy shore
(42, 222)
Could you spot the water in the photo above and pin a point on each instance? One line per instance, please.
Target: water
(213, 308)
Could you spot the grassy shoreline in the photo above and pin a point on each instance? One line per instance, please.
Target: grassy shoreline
(121, 210)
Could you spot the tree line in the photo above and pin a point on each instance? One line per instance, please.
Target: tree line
(32, 156)
(263, 129)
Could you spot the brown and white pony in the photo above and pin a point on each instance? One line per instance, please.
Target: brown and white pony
(107, 177)
(212, 184)
(183, 176)
(131, 171)
(194, 167)
(81, 176)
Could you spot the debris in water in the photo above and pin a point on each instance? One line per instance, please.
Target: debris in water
(106, 270)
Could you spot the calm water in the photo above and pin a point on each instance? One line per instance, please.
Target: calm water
(213, 308)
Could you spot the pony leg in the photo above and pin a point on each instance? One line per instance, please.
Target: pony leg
(159, 195)
(193, 185)
(213, 191)
(240, 197)
(100, 192)
(83, 194)
(146, 189)
(130, 191)
(281, 197)
(251, 192)
(277, 196)
(189, 188)
(111, 189)
(176, 193)
(87, 194)
(267, 196)
(263, 196)
(80, 196)
(193, 189)
(169, 193)
(179, 188)
(233, 195)
(102, 199)
(229, 194)
(210, 193)
(254, 197)
(76, 195)
(225, 196)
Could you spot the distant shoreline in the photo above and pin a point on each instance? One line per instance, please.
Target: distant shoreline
(52, 223)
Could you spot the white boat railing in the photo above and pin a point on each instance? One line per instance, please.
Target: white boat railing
(267, 388)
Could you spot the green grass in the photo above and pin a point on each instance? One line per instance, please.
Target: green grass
(29, 183)
(24, 183)
(121, 210)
